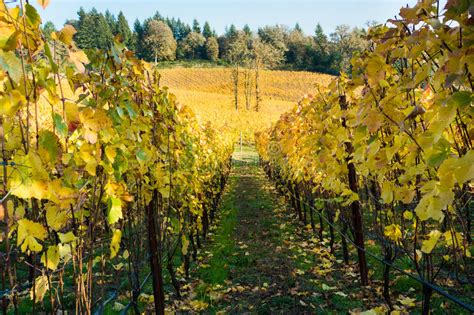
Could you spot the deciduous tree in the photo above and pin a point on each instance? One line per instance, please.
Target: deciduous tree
(123, 29)
(160, 41)
(212, 49)
(193, 44)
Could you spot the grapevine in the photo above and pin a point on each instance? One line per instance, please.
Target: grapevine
(99, 163)
(387, 151)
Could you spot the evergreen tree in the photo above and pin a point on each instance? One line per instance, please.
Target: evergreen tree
(247, 30)
(158, 16)
(85, 29)
(297, 43)
(185, 30)
(123, 29)
(323, 56)
(48, 28)
(104, 35)
(231, 31)
(196, 27)
(93, 31)
(320, 38)
(77, 23)
(180, 30)
(207, 31)
(298, 28)
(111, 21)
(138, 39)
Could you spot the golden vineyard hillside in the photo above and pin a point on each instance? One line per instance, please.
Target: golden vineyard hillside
(210, 93)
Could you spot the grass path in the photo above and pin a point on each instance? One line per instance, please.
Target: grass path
(255, 262)
(260, 259)
(259, 273)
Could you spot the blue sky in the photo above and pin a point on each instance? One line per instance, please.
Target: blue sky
(256, 13)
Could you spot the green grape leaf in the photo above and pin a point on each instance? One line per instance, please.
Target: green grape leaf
(115, 210)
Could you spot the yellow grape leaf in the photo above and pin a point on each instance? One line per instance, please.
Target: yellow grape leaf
(184, 248)
(67, 237)
(40, 288)
(375, 69)
(43, 3)
(115, 212)
(115, 243)
(456, 241)
(428, 245)
(79, 58)
(373, 121)
(49, 146)
(11, 102)
(146, 298)
(405, 194)
(393, 232)
(94, 119)
(19, 212)
(7, 31)
(27, 187)
(61, 195)
(64, 251)
(407, 301)
(51, 257)
(418, 255)
(164, 191)
(325, 287)
(431, 207)
(28, 231)
(72, 111)
(387, 192)
(38, 168)
(465, 170)
(90, 135)
(67, 33)
(11, 64)
(89, 159)
(408, 215)
(110, 153)
(198, 305)
(441, 202)
(55, 217)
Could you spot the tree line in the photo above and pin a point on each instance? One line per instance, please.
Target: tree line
(159, 38)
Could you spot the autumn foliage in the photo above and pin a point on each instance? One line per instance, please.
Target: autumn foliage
(95, 155)
(396, 140)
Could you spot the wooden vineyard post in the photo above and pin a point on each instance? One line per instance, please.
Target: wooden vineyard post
(155, 254)
(355, 205)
